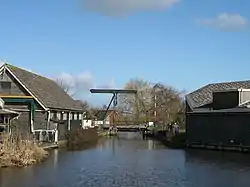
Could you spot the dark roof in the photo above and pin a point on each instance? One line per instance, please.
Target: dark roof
(47, 91)
(100, 115)
(204, 95)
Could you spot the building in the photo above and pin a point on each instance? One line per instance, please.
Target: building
(40, 102)
(5, 118)
(88, 121)
(105, 118)
(219, 114)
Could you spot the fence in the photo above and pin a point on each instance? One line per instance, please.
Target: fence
(45, 135)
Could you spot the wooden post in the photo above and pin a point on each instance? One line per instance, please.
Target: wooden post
(48, 120)
(56, 134)
(69, 115)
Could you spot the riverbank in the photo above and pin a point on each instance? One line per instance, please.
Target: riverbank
(15, 152)
(177, 141)
(82, 138)
(20, 153)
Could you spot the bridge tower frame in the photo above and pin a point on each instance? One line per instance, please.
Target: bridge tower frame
(114, 98)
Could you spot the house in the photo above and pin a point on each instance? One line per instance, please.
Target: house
(219, 114)
(88, 121)
(105, 118)
(5, 117)
(38, 100)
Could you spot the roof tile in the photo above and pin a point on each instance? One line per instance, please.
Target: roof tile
(47, 91)
(204, 95)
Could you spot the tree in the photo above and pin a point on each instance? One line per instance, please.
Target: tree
(104, 107)
(84, 104)
(65, 86)
(153, 102)
(136, 105)
(168, 103)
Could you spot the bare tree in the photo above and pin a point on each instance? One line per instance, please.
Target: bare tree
(152, 99)
(84, 104)
(168, 103)
(104, 107)
(65, 86)
(137, 105)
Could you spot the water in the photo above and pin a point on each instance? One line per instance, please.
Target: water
(130, 161)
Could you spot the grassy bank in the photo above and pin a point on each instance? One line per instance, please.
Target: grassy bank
(16, 152)
(82, 138)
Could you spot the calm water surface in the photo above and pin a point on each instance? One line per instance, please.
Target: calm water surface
(129, 161)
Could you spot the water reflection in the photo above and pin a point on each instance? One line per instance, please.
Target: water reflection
(128, 160)
(150, 144)
(55, 156)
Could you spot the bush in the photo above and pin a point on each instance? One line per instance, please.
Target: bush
(178, 141)
(82, 138)
(18, 152)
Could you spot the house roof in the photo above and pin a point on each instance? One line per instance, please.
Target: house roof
(204, 95)
(47, 91)
(100, 114)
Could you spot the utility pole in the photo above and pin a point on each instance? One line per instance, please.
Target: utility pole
(155, 105)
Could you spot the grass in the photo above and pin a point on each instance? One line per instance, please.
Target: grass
(16, 152)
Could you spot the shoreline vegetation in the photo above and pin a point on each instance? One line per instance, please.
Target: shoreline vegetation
(82, 138)
(16, 152)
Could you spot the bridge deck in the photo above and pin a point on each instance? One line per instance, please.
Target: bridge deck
(127, 126)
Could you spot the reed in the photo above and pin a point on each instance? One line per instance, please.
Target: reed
(19, 152)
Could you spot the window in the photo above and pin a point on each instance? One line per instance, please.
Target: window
(80, 116)
(52, 115)
(65, 116)
(75, 116)
(5, 85)
(58, 115)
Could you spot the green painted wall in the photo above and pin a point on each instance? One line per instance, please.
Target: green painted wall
(30, 101)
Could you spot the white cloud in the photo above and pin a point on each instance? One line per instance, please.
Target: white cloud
(80, 84)
(77, 83)
(109, 85)
(226, 21)
(127, 7)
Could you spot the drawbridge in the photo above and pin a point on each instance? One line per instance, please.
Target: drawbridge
(114, 99)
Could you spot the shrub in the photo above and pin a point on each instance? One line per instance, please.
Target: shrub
(82, 138)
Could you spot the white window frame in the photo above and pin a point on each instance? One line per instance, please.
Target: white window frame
(52, 114)
(65, 116)
(80, 116)
(75, 116)
(58, 115)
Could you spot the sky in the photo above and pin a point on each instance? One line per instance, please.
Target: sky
(104, 43)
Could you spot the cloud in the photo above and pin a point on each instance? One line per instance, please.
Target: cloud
(119, 8)
(80, 84)
(109, 85)
(77, 83)
(226, 21)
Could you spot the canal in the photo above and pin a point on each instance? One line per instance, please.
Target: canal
(130, 161)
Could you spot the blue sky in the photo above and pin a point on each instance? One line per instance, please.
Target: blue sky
(104, 43)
